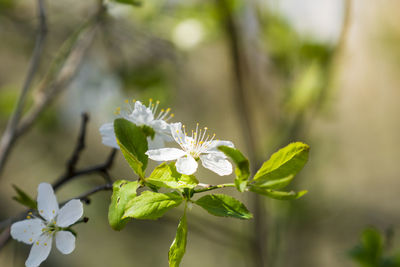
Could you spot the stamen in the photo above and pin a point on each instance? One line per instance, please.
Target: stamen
(127, 101)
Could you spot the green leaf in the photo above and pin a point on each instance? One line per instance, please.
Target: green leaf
(224, 206)
(242, 170)
(280, 169)
(166, 175)
(123, 192)
(133, 144)
(369, 251)
(129, 2)
(178, 246)
(151, 205)
(23, 198)
(280, 195)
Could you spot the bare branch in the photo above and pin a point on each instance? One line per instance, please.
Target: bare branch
(9, 135)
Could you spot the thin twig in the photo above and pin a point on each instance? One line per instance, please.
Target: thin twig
(9, 135)
(72, 172)
(59, 76)
(101, 169)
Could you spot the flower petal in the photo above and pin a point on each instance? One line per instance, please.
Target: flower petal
(70, 213)
(186, 165)
(108, 135)
(47, 201)
(27, 231)
(213, 145)
(141, 114)
(216, 163)
(161, 127)
(65, 242)
(165, 154)
(39, 251)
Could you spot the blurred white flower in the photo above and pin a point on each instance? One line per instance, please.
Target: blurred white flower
(142, 115)
(197, 146)
(188, 33)
(52, 222)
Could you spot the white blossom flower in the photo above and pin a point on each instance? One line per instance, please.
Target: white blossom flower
(194, 147)
(52, 222)
(141, 115)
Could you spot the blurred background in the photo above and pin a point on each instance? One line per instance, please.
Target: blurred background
(262, 73)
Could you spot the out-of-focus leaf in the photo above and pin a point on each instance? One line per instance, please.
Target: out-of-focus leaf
(129, 2)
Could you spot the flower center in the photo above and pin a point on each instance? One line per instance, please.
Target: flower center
(197, 143)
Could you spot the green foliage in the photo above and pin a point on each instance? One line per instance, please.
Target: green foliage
(370, 252)
(166, 175)
(224, 206)
(242, 170)
(133, 144)
(151, 205)
(280, 195)
(129, 2)
(178, 246)
(280, 169)
(24, 199)
(123, 192)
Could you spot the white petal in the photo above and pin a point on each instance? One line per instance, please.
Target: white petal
(70, 213)
(213, 145)
(216, 163)
(108, 135)
(47, 201)
(161, 127)
(186, 165)
(39, 251)
(141, 114)
(65, 242)
(27, 231)
(165, 154)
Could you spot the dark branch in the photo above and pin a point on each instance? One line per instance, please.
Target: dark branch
(9, 135)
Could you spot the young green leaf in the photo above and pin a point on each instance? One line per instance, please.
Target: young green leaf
(133, 144)
(123, 192)
(242, 170)
(166, 175)
(281, 195)
(178, 246)
(151, 205)
(280, 169)
(24, 199)
(129, 2)
(224, 206)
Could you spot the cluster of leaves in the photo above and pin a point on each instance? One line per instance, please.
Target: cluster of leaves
(372, 252)
(168, 188)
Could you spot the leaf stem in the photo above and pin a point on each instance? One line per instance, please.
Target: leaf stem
(212, 187)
